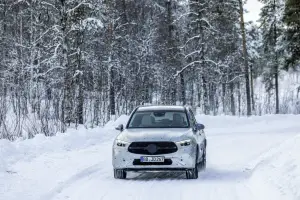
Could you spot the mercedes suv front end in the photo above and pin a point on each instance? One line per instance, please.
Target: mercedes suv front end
(160, 138)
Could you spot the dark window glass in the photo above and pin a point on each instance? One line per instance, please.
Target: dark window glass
(159, 119)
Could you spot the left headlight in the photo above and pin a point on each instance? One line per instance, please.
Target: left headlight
(185, 142)
(120, 143)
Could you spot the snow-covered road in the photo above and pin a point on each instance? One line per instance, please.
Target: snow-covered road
(248, 159)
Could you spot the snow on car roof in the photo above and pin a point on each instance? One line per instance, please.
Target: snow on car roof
(150, 108)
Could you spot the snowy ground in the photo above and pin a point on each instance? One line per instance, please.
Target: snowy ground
(248, 159)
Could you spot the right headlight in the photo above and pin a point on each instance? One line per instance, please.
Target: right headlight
(185, 142)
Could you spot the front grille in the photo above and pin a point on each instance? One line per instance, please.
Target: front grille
(152, 148)
(166, 162)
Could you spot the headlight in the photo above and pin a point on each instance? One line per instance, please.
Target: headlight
(185, 142)
(121, 143)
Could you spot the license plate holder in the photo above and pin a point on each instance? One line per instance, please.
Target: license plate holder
(152, 159)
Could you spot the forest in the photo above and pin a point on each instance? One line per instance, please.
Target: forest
(66, 63)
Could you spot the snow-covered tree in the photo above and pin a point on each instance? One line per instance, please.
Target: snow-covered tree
(272, 30)
(291, 19)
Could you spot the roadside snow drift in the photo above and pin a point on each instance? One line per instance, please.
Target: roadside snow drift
(248, 159)
(279, 169)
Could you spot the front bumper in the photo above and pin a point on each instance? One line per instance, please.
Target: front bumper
(181, 160)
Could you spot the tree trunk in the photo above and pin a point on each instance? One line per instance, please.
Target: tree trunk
(277, 90)
(239, 97)
(192, 94)
(80, 101)
(205, 96)
(276, 70)
(224, 97)
(67, 99)
(80, 97)
(232, 100)
(252, 88)
(199, 94)
(182, 87)
(112, 106)
(247, 82)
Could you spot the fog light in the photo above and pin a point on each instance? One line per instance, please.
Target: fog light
(185, 143)
(119, 144)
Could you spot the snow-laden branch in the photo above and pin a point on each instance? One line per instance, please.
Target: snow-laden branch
(80, 4)
(191, 54)
(187, 66)
(192, 38)
(42, 35)
(91, 22)
(186, 14)
(160, 7)
(200, 62)
(48, 71)
(49, 4)
(234, 78)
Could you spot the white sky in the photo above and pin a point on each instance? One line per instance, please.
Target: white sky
(253, 7)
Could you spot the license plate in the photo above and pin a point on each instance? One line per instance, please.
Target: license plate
(157, 159)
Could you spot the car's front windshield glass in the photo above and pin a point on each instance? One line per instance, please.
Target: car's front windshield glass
(159, 119)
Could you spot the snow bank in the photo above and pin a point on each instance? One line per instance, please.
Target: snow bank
(7, 151)
(12, 152)
(275, 173)
(258, 124)
(279, 168)
(114, 123)
(2, 165)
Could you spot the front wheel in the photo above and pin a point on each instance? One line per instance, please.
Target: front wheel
(193, 173)
(202, 164)
(120, 174)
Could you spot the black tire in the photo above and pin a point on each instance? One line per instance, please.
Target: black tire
(193, 173)
(120, 174)
(202, 164)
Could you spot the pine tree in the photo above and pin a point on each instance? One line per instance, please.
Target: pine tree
(292, 20)
(271, 17)
(227, 50)
(198, 30)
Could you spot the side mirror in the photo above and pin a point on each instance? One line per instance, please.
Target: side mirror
(200, 126)
(195, 129)
(120, 127)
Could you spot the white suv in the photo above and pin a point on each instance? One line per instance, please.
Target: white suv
(160, 138)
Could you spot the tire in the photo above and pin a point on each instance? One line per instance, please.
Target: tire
(202, 164)
(193, 173)
(120, 174)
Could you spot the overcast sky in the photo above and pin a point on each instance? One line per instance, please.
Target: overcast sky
(253, 7)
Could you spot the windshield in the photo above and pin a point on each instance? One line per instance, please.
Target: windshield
(159, 119)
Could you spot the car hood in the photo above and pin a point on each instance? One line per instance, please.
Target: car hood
(169, 134)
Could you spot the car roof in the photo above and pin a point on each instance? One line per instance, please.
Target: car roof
(169, 108)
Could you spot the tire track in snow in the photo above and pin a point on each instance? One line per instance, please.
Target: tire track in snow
(267, 155)
(73, 179)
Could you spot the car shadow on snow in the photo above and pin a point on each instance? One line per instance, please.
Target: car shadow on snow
(209, 174)
(212, 174)
(147, 176)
